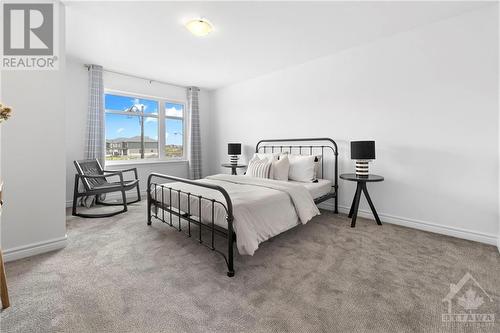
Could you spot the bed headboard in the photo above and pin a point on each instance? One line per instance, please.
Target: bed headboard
(308, 146)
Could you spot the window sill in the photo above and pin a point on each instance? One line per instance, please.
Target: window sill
(134, 162)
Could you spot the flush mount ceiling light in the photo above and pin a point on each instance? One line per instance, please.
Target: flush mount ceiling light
(199, 27)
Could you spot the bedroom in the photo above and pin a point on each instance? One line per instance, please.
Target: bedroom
(184, 89)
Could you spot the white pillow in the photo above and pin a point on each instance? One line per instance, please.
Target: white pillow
(280, 169)
(317, 163)
(301, 168)
(270, 156)
(259, 168)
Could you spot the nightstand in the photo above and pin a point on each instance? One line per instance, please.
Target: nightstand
(234, 167)
(361, 180)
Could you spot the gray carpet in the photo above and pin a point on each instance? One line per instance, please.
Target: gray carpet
(119, 275)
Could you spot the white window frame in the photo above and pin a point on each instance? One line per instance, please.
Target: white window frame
(161, 127)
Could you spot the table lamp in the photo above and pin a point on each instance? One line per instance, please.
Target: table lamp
(233, 150)
(363, 152)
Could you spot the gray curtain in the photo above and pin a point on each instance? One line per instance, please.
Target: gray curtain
(94, 139)
(94, 143)
(195, 142)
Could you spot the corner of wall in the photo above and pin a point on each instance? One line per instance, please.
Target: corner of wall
(498, 129)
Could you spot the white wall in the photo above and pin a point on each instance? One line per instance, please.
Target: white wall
(1, 161)
(33, 217)
(76, 109)
(429, 97)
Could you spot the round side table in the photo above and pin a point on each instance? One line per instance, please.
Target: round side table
(233, 167)
(361, 180)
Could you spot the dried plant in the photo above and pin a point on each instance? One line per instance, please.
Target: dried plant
(5, 113)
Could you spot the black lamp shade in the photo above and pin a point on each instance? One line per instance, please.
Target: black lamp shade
(363, 150)
(234, 148)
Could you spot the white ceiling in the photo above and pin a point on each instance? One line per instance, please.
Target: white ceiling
(250, 38)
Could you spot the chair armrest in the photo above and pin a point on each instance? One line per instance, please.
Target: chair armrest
(125, 170)
(101, 176)
(110, 174)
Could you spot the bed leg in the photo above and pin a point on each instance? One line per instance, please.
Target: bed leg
(336, 210)
(149, 205)
(230, 267)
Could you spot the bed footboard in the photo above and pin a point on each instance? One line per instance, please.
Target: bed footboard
(161, 208)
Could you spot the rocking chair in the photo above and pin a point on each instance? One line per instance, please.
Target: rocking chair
(95, 183)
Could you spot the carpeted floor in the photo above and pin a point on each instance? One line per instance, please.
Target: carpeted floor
(119, 275)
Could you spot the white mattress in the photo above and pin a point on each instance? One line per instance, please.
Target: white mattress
(319, 189)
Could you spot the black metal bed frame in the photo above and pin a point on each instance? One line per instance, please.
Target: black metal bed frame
(309, 148)
(193, 215)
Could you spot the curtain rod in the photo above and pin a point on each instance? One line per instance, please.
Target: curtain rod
(138, 77)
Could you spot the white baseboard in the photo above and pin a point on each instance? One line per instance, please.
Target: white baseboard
(422, 225)
(35, 248)
(406, 222)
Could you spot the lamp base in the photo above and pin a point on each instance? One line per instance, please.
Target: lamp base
(362, 168)
(233, 160)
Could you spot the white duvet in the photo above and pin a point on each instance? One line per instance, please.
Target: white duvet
(262, 208)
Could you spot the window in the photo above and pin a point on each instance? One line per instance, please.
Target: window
(133, 125)
(174, 129)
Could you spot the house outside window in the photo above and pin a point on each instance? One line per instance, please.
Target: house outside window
(137, 126)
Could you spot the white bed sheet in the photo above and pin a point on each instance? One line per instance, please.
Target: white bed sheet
(319, 189)
(262, 208)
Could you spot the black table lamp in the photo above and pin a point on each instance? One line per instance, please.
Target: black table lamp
(363, 152)
(234, 149)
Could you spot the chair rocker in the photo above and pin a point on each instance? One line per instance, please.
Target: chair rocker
(95, 183)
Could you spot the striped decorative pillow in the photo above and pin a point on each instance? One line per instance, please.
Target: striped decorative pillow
(259, 168)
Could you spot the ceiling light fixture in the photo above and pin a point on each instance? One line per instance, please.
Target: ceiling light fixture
(199, 27)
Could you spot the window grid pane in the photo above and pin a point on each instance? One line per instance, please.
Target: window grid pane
(174, 130)
(130, 104)
(174, 137)
(174, 110)
(132, 128)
